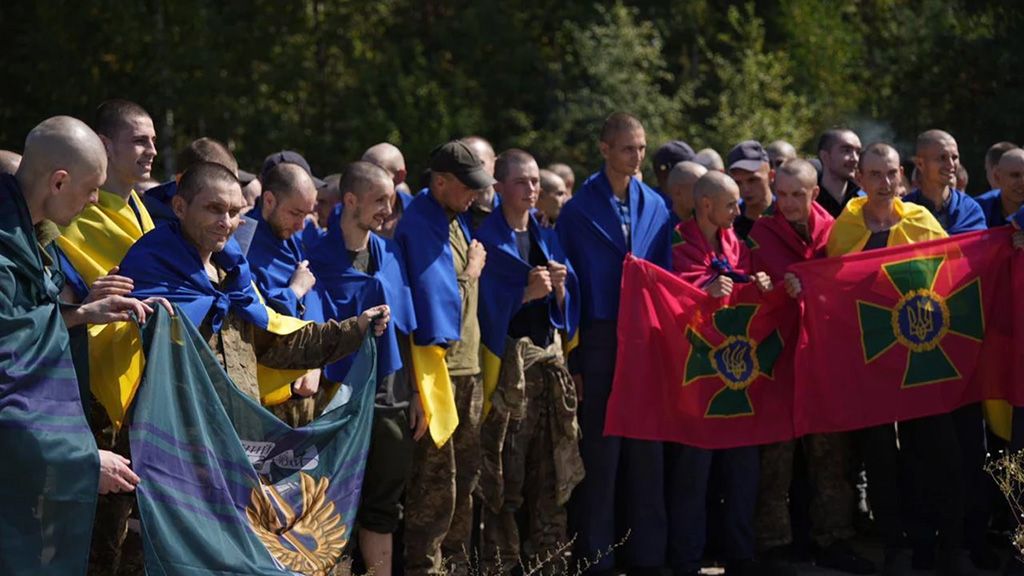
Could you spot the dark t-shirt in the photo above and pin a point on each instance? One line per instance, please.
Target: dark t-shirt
(877, 240)
(395, 389)
(532, 320)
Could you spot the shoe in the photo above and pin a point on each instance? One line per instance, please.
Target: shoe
(985, 557)
(897, 562)
(955, 563)
(842, 557)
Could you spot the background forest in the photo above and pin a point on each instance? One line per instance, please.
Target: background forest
(329, 78)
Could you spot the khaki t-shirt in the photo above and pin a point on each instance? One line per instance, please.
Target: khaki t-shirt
(463, 357)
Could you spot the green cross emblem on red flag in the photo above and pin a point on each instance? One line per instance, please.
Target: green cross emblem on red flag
(920, 320)
(735, 363)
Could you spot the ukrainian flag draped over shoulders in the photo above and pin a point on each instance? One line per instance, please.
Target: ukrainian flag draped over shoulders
(49, 479)
(101, 235)
(850, 233)
(423, 238)
(273, 261)
(162, 263)
(590, 232)
(341, 292)
(502, 285)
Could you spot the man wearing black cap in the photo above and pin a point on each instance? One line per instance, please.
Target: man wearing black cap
(444, 264)
(252, 188)
(748, 165)
(670, 154)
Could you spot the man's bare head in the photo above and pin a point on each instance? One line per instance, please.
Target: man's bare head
(483, 150)
(368, 194)
(289, 196)
(936, 159)
(1011, 177)
(206, 150)
(992, 156)
(388, 157)
(710, 159)
(796, 187)
(717, 197)
(618, 123)
(779, 152)
(9, 161)
(679, 187)
(568, 176)
(61, 170)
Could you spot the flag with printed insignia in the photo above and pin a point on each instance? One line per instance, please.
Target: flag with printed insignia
(903, 332)
(697, 370)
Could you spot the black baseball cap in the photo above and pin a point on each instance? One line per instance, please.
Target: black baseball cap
(458, 159)
(290, 157)
(672, 153)
(245, 177)
(747, 155)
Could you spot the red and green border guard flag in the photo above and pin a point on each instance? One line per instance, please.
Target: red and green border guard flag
(904, 332)
(697, 370)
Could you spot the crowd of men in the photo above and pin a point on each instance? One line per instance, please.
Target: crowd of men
(494, 293)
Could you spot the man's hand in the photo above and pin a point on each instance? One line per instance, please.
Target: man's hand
(106, 310)
(476, 257)
(577, 380)
(116, 474)
(559, 273)
(379, 316)
(307, 385)
(762, 281)
(793, 286)
(719, 287)
(417, 419)
(109, 285)
(538, 284)
(302, 280)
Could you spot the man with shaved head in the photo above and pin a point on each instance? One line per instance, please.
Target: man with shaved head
(713, 258)
(871, 222)
(278, 261)
(357, 269)
(487, 200)
(998, 205)
(936, 160)
(53, 474)
(710, 159)
(568, 176)
(838, 151)
(158, 199)
(679, 189)
(797, 231)
(611, 214)
(9, 161)
(390, 158)
(554, 193)
(97, 240)
(780, 152)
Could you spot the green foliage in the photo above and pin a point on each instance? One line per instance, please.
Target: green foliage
(330, 78)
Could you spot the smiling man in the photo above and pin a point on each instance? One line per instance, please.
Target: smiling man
(936, 161)
(356, 269)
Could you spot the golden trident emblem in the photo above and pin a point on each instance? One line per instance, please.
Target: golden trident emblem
(735, 361)
(275, 522)
(921, 319)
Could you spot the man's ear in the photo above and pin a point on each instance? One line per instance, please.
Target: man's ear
(604, 149)
(814, 192)
(268, 199)
(108, 144)
(179, 205)
(58, 179)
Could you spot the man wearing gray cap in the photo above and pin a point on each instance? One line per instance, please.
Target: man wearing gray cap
(444, 265)
(748, 165)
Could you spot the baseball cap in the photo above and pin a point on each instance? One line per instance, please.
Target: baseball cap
(747, 155)
(290, 157)
(458, 159)
(672, 153)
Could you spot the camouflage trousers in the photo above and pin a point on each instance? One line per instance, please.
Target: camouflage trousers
(438, 505)
(530, 483)
(113, 551)
(828, 457)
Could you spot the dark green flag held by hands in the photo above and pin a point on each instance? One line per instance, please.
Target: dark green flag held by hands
(227, 488)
